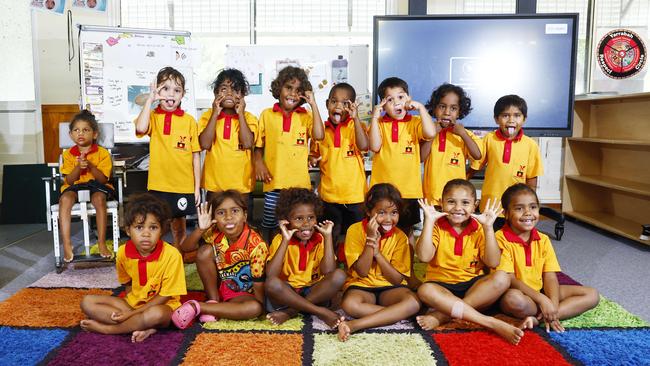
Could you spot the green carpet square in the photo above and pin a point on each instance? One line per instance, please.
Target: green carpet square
(606, 314)
(294, 324)
(192, 279)
(372, 349)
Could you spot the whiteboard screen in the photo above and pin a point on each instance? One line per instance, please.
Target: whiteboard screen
(119, 64)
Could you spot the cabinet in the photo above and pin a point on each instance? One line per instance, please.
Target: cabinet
(607, 164)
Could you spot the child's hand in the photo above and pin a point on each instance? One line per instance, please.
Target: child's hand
(83, 163)
(154, 92)
(352, 108)
(549, 313)
(490, 213)
(309, 97)
(430, 212)
(262, 172)
(372, 229)
(458, 128)
(376, 112)
(120, 316)
(216, 104)
(205, 216)
(286, 233)
(197, 197)
(413, 105)
(325, 227)
(240, 107)
(313, 161)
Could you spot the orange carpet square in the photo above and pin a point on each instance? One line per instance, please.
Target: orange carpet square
(40, 307)
(245, 349)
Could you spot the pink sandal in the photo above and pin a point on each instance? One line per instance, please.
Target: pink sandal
(204, 318)
(184, 316)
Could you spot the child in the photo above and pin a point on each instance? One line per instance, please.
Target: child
(458, 248)
(343, 177)
(231, 267)
(174, 165)
(227, 141)
(152, 271)
(301, 273)
(282, 143)
(379, 260)
(528, 257)
(86, 166)
(445, 157)
(511, 156)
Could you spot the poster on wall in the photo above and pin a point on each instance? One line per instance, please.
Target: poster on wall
(96, 5)
(621, 53)
(50, 6)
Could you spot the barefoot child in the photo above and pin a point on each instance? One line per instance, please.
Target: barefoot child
(377, 253)
(85, 166)
(528, 257)
(152, 271)
(301, 274)
(231, 267)
(458, 248)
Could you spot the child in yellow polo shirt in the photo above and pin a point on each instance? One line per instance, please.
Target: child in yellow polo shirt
(228, 142)
(174, 161)
(445, 156)
(395, 141)
(342, 175)
(528, 257)
(301, 273)
(282, 143)
(458, 248)
(152, 271)
(379, 262)
(89, 166)
(511, 156)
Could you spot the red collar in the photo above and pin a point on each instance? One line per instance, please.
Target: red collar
(444, 224)
(507, 149)
(241, 242)
(315, 239)
(167, 129)
(286, 117)
(132, 252)
(337, 129)
(395, 127)
(512, 237)
(227, 124)
(442, 138)
(75, 150)
(385, 235)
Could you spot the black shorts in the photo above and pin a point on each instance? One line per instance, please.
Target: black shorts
(459, 289)
(410, 215)
(271, 306)
(93, 186)
(181, 204)
(342, 215)
(377, 291)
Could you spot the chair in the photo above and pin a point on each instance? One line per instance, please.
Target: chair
(83, 209)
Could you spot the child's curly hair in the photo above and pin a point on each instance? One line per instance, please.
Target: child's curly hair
(288, 74)
(514, 190)
(141, 204)
(218, 198)
(383, 191)
(464, 102)
(85, 115)
(237, 80)
(459, 183)
(169, 72)
(291, 197)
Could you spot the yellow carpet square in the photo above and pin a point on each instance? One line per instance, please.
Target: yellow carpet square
(294, 324)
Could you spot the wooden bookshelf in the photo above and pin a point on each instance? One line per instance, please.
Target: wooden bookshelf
(607, 164)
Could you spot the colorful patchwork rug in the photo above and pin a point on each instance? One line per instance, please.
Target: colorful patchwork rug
(39, 325)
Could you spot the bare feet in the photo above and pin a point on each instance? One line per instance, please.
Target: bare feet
(332, 320)
(344, 331)
(90, 325)
(278, 317)
(529, 323)
(68, 254)
(432, 320)
(141, 335)
(508, 332)
(103, 250)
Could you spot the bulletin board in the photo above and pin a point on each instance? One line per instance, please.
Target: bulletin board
(325, 66)
(117, 66)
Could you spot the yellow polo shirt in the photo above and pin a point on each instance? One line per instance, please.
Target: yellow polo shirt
(97, 155)
(301, 265)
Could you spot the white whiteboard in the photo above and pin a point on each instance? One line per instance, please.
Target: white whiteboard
(261, 63)
(118, 64)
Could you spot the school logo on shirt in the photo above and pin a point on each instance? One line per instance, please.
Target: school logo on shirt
(154, 290)
(454, 159)
(520, 172)
(350, 151)
(409, 147)
(301, 138)
(180, 144)
(240, 147)
(473, 264)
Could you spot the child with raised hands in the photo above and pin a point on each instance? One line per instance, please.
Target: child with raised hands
(231, 265)
(379, 260)
(301, 274)
(529, 259)
(458, 246)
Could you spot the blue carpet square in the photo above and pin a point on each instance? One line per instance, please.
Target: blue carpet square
(28, 347)
(607, 347)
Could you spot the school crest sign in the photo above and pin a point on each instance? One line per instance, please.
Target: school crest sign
(621, 53)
